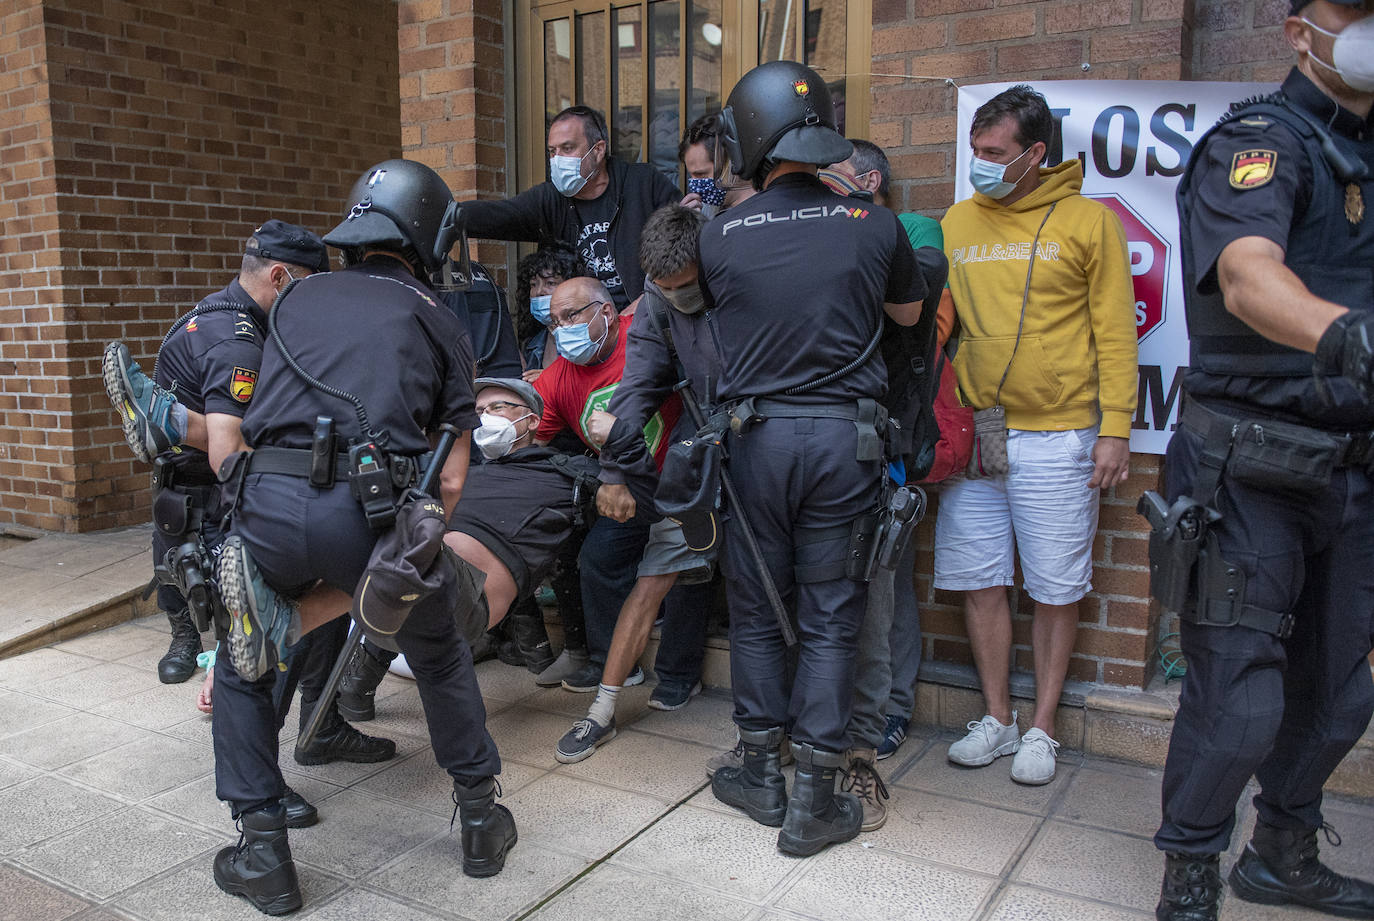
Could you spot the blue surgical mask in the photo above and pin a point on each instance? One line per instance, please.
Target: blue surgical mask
(539, 308)
(576, 344)
(990, 178)
(566, 173)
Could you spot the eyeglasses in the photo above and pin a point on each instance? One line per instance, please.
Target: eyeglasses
(570, 319)
(501, 406)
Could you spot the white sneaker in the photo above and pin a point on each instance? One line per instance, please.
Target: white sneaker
(1034, 762)
(986, 741)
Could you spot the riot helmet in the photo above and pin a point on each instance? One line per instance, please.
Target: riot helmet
(400, 205)
(780, 111)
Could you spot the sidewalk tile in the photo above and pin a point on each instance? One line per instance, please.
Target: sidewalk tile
(77, 556)
(420, 783)
(21, 711)
(505, 682)
(159, 707)
(646, 764)
(69, 739)
(46, 806)
(29, 899)
(363, 832)
(1022, 903)
(731, 854)
(103, 682)
(12, 772)
(343, 773)
(527, 735)
(114, 643)
(1120, 798)
(356, 903)
(612, 893)
(991, 784)
(433, 876)
(952, 832)
(87, 859)
(189, 892)
(1104, 865)
(1234, 909)
(161, 763)
(706, 720)
(850, 881)
(19, 673)
(196, 802)
(581, 817)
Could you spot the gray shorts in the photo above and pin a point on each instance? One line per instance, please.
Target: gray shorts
(667, 552)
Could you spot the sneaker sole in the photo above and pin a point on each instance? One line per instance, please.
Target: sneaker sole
(118, 388)
(634, 681)
(656, 704)
(1007, 748)
(564, 758)
(247, 639)
(1032, 781)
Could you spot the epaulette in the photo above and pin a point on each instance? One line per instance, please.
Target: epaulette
(1236, 108)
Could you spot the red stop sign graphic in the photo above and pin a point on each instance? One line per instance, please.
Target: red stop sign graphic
(1149, 264)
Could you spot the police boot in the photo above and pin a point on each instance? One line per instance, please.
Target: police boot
(358, 686)
(1280, 867)
(260, 867)
(488, 827)
(338, 741)
(757, 785)
(1191, 890)
(816, 814)
(527, 623)
(180, 662)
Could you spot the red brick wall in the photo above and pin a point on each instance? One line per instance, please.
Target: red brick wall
(30, 280)
(1240, 40)
(453, 106)
(175, 128)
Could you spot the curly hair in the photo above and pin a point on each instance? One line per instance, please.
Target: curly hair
(556, 259)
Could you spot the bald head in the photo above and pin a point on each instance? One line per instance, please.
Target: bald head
(585, 300)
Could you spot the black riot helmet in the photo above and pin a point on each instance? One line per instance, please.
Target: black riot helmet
(404, 206)
(780, 111)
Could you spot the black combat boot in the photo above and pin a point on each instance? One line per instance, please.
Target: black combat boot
(1191, 890)
(358, 686)
(260, 867)
(1280, 867)
(488, 827)
(299, 811)
(816, 814)
(338, 741)
(757, 786)
(527, 623)
(180, 662)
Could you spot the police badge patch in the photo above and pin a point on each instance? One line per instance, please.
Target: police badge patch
(241, 384)
(1251, 169)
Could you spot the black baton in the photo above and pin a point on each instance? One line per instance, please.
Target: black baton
(448, 435)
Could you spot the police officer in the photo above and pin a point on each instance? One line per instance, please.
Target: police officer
(800, 280)
(1278, 259)
(372, 348)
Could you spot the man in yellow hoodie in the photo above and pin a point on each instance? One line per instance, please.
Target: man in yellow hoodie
(1041, 283)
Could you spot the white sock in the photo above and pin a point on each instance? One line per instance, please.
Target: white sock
(603, 708)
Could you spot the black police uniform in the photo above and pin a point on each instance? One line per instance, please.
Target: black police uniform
(376, 332)
(798, 277)
(1256, 699)
(483, 311)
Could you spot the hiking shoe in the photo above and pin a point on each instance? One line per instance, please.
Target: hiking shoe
(346, 743)
(568, 663)
(672, 696)
(893, 736)
(861, 778)
(588, 678)
(145, 409)
(582, 740)
(986, 741)
(259, 618)
(734, 758)
(1034, 761)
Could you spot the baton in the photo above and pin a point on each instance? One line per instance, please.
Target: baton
(448, 435)
(751, 542)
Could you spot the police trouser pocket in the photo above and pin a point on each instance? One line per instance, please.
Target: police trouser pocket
(1282, 458)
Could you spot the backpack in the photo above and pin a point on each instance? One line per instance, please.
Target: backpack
(912, 376)
(955, 445)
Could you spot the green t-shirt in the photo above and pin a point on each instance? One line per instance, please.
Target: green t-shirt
(922, 230)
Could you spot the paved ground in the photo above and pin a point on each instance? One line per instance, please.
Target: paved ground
(107, 810)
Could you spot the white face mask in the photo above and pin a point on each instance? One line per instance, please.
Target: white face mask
(1352, 53)
(566, 173)
(990, 178)
(496, 435)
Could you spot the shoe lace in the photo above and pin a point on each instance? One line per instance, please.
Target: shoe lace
(583, 728)
(496, 782)
(1049, 745)
(1195, 884)
(862, 779)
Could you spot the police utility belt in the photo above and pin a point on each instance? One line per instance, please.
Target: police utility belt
(869, 417)
(1187, 572)
(376, 478)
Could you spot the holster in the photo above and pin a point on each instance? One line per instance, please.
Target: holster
(1177, 535)
(899, 519)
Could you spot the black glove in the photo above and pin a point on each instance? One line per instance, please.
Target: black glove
(1347, 349)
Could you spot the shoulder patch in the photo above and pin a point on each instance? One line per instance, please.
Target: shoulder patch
(241, 384)
(244, 327)
(1251, 169)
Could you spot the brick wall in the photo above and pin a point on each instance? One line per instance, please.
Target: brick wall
(453, 106)
(1240, 40)
(173, 130)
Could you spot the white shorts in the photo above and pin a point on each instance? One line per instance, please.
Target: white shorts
(1042, 508)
